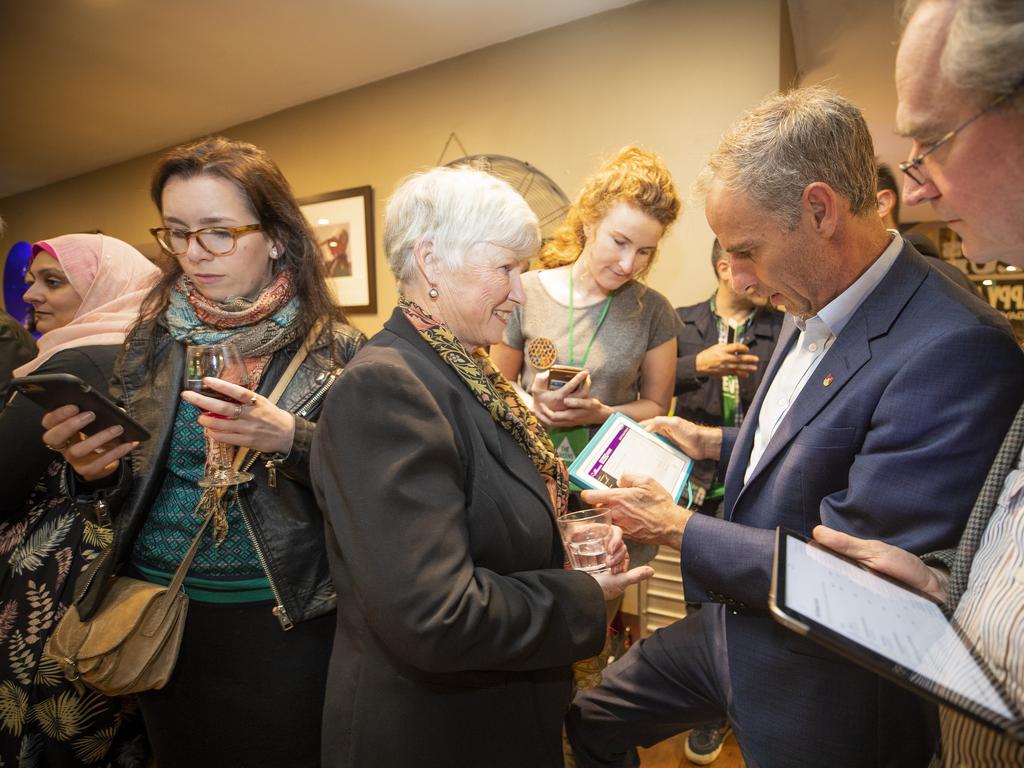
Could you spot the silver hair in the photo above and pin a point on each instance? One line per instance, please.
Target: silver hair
(791, 140)
(984, 50)
(455, 208)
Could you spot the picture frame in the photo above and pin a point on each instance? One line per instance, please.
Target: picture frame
(342, 222)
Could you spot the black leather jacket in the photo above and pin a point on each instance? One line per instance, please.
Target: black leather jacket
(277, 506)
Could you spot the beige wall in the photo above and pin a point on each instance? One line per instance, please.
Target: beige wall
(669, 74)
(856, 55)
(789, 75)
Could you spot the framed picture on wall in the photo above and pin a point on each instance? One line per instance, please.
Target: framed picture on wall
(343, 224)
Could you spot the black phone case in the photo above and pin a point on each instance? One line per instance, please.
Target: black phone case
(53, 390)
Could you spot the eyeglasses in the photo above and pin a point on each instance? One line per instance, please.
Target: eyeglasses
(911, 167)
(216, 241)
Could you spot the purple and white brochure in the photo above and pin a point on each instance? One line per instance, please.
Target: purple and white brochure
(621, 447)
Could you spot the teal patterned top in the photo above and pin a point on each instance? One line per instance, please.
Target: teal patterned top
(230, 573)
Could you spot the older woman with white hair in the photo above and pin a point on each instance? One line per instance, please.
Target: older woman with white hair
(457, 621)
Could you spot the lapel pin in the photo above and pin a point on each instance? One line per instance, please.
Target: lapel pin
(827, 381)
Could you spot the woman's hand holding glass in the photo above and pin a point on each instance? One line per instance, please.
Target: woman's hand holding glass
(613, 582)
(615, 576)
(203, 363)
(247, 420)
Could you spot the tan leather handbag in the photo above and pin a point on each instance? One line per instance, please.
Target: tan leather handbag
(131, 643)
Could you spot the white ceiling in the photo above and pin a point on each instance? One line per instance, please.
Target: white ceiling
(89, 83)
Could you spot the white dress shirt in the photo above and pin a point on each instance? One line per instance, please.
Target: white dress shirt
(816, 336)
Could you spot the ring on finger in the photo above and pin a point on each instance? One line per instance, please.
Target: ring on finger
(252, 400)
(58, 448)
(238, 412)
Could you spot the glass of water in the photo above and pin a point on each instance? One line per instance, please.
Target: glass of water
(585, 534)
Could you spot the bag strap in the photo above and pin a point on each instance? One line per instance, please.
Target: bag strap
(186, 562)
(241, 453)
(155, 620)
(283, 382)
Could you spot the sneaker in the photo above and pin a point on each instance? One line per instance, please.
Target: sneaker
(704, 744)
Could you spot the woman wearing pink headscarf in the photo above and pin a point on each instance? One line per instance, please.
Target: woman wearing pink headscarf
(85, 291)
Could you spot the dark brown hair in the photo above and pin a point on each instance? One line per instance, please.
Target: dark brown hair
(887, 180)
(270, 198)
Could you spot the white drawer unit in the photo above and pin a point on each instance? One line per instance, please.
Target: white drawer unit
(661, 596)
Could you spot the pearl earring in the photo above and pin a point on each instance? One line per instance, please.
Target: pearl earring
(432, 293)
(273, 252)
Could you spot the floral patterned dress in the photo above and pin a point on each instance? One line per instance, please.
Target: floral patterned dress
(44, 719)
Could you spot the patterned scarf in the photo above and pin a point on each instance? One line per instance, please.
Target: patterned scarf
(496, 395)
(259, 328)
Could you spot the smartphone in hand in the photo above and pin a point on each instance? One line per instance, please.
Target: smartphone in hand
(53, 390)
(560, 375)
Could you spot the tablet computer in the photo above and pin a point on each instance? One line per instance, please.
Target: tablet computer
(621, 447)
(887, 627)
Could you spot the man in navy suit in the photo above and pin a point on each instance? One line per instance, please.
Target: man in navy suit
(861, 423)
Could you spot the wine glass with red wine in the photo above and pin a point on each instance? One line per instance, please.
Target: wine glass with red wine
(222, 361)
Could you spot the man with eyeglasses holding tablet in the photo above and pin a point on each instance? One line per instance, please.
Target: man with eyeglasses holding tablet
(960, 81)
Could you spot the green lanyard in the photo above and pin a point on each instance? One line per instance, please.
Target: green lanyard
(732, 404)
(600, 322)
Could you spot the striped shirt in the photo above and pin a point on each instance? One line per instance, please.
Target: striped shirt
(991, 614)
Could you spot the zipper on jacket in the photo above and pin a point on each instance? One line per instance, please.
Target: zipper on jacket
(310, 403)
(304, 408)
(254, 456)
(102, 512)
(317, 396)
(279, 611)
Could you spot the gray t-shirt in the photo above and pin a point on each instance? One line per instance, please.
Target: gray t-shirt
(639, 319)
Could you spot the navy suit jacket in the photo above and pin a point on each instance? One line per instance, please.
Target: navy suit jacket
(891, 438)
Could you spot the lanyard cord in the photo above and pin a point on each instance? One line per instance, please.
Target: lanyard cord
(723, 325)
(600, 322)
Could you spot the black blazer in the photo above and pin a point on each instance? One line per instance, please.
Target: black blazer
(457, 624)
(23, 456)
(699, 398)
(17, 347)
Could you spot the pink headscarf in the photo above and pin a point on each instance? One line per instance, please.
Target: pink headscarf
(111, 277)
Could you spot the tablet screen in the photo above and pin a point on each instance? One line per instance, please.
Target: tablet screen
(624, 447)
(885, 626)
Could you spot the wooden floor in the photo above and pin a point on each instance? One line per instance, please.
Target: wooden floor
(669, 754)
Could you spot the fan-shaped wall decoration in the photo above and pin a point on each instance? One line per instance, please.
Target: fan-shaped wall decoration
(544, 197)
